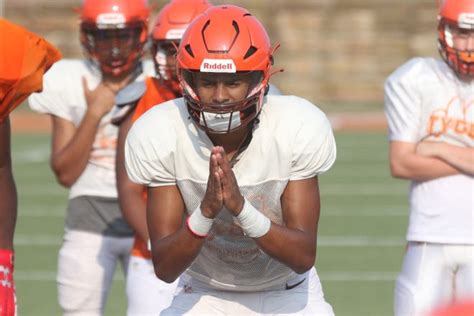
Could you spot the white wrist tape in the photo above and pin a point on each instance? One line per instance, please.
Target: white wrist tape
(199, 224)
(253, 223)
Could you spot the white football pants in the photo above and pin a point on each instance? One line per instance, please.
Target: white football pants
(86, 267)
(305, 298)
(433, 275)
(147, 295)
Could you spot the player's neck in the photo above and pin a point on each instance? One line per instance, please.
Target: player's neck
(231, 142)
(465, 78)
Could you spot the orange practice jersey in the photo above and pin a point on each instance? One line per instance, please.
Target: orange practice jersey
(154, 95)
(24, 58)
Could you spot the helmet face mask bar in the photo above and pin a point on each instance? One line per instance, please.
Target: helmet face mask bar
(114, 33)
(164, 54)
(456, 21)
(225, 40)
(111, 49)
(227, 117)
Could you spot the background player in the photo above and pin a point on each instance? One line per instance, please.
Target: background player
(429, 105)
(147, 295)
(24, 58)
(243, 166)
(79, 95)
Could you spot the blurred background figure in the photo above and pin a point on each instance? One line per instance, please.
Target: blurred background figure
(79, 95)
(24, 58)
(147, 295)
(429, 105)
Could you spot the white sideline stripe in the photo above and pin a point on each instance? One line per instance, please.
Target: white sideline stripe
(47, 276)
(26, 191)
(356, 276)
(60, 212)
(37, 240)
(360, 241)
(323, 241)
(366, 213)
(337, 276)
(365, 189)
(39, 154)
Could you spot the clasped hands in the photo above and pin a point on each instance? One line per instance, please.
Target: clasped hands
(222, 187)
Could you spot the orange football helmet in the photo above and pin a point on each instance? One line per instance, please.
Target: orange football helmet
(168, 29)
(456, 14)
(225, 39)
(113, 33)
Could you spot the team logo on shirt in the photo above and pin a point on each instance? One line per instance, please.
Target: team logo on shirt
(456, 118)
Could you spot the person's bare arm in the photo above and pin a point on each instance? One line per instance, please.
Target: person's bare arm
(461, 158)
(406, 163)
(130, 194)
(8, 195)
(173, 246)
(294, 244)
(71, 145)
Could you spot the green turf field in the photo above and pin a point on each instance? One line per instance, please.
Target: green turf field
(360, 244)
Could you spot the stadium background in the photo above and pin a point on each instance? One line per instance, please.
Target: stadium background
(336, 53)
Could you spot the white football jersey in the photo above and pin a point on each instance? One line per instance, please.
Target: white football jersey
(424, 99)
(63, 96)
(293, 141)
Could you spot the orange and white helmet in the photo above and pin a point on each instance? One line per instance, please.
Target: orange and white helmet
(456, 14)
(225, 39)
(168, 29)
(114, 33)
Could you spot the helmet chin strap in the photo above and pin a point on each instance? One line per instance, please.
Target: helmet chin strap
(220, 122)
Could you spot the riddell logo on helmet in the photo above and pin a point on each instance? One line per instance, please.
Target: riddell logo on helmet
(105, 19)
(174, 34)
(466, 20)
(218, 65)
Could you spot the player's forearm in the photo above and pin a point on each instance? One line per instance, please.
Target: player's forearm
(419, 168)
(173, 254)
(461, 158)
(133, 207)
(70, 161)
(294, 248)
(8, 208)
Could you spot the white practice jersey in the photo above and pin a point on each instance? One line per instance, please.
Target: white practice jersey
(63, 96)
(425, 100)
(293, 141)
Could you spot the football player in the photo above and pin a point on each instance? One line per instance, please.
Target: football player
(147, 295)
(232, 177)
(24, 58)
(429, 104)
(79, 96)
